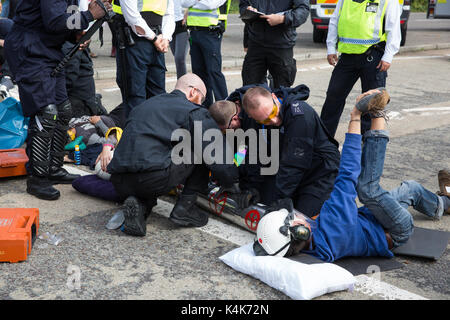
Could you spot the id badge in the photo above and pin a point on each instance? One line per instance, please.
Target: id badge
(371, 7)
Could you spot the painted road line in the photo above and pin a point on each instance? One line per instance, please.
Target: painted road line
(111, 89)
(427, 109)
(418, 57)
(373, 287)
(214, 227)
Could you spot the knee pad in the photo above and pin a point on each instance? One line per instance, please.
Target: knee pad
(46, 118)
(65, 111)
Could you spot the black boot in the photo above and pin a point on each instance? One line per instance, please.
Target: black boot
(41, 132)
(42, 188)
(186, 213)
(135, 217)
(57, 173)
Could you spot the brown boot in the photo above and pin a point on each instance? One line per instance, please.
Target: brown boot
(444, 182)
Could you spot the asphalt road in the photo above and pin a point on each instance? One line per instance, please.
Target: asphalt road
(179, 264)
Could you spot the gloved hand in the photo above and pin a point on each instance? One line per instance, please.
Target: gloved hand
(285, 203)
(242, 198)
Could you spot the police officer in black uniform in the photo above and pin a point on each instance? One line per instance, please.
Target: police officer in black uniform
(143, 167)
(33, 50)
(271, 40)
(309, 156)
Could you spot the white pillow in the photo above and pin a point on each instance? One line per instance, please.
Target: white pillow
(295, 279)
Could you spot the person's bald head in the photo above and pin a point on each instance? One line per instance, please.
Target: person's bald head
(263, 106)
(193, 87)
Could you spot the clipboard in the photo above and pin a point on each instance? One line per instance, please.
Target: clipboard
(250, 16)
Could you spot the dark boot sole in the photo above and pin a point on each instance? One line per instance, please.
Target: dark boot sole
(43, 197)
(188, 223)
(132, 225)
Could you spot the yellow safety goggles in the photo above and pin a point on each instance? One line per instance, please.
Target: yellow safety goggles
(273, 114)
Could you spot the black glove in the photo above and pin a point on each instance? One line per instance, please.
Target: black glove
(285, 203)
(243, 199)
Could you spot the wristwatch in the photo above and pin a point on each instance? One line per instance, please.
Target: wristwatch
(154, 39)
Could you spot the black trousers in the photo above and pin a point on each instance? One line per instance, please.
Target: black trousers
(348, 70)
(279, 62)
(148, 186)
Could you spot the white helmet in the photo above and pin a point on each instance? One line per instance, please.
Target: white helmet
(269, 239)
(279, 231)
(100, 173)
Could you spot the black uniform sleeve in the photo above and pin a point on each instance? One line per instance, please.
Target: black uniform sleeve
(72, 68)
(243, 4)
(297, 153)
(226, 174)
(298, 14)
(56, 18)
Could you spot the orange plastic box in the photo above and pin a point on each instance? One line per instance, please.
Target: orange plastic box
(12, 162)
(18, 230)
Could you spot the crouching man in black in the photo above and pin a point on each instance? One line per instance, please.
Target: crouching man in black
(143, 168)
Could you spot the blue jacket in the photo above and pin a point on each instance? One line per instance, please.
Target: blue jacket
(342, 228)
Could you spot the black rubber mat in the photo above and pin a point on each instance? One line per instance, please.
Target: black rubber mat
(425, 243)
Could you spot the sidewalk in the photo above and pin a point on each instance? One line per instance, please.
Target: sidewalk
(422, 35)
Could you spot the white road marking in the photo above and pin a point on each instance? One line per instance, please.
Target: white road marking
(371, 286)
(418, 57)
(427, 109)
(112, 89)
(214, 227)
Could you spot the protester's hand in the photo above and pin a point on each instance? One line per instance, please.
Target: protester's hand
(332, 59)
(2, 43)
(97, 11)
(251, 8)
(245, 49)
(104, 157)
(273, 19)
(94, 119)
(383, 65)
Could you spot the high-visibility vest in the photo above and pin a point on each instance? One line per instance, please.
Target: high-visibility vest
(157, 6)
(206, 18)
(360, 25)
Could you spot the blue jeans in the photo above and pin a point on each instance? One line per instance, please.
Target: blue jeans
(391, 208)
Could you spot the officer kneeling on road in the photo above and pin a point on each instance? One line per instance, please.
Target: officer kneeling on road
(33, 50)
(143, 166)
(308, 155)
